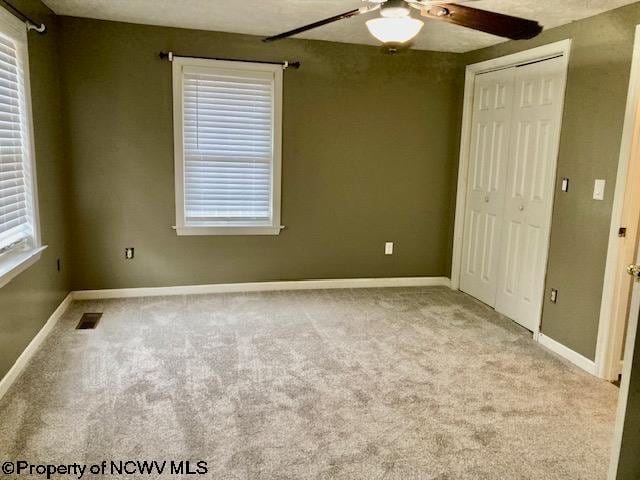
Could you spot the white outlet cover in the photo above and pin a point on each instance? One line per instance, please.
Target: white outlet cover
(388, 248)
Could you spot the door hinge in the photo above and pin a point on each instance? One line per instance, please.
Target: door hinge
(622, 232)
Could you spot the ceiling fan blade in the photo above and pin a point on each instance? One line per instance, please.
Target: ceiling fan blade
(498, 24)
(320, 23)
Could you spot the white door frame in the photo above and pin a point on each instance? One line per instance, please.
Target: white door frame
(544, 52)
(610, 326)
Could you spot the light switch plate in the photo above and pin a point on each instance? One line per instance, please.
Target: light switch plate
(565, 184)
(598, 189)
(388, 248)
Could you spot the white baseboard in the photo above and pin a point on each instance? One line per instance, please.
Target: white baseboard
(565, 352)
(263, 287)
(33, 346)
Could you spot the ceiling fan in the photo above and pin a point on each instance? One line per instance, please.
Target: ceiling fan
(395, 26)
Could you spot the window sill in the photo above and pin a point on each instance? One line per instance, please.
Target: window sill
(18, 263)
(190, 231)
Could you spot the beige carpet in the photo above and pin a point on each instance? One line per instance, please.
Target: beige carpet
(420, 383)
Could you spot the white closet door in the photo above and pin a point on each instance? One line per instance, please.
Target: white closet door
(536, 119)
(491, 120)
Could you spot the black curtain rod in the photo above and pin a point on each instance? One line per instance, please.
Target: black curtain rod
(169, 56)
(31, 24)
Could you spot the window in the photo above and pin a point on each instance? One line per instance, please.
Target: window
(19, 231)
(227, 125)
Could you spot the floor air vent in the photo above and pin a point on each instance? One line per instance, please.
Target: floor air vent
(89, 321)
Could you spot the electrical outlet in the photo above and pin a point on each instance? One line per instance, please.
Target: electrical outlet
(129, 253)
(388, 248)
(565, 184)
(554, 296)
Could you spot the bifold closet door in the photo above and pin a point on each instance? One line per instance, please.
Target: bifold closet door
(536, 119)
(489, 150)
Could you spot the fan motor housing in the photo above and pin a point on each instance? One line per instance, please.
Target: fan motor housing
(395, 9)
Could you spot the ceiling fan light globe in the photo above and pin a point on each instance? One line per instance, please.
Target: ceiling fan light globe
(394, 30)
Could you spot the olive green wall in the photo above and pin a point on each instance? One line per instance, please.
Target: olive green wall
(369, 153)
(595, 102)
(28, 301)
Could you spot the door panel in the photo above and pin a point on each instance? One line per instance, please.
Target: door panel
(513, 251)
(492, 107)
(530, 178)
(624, 461)
(489, 240)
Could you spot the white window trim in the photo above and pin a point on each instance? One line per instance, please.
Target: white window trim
(16, 261)
(272, 228)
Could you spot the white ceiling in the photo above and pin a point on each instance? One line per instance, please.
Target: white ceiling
(268, 17)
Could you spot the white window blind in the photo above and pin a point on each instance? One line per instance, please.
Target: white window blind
(16, 219)
(230, 128)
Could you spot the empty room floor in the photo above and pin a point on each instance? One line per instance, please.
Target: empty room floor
(410, 383)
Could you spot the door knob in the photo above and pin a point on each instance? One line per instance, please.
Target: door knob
(634, 270)
(486, 199)
(521, 208)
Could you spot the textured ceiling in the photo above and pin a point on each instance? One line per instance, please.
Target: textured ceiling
(268, 17)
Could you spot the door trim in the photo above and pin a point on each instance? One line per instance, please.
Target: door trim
(610, 325)
(543, 52)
